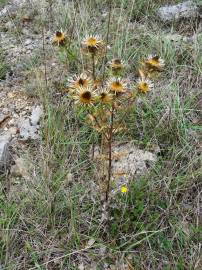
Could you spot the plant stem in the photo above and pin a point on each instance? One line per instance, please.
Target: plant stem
(44, 59)
(110, 155)
(93, 64)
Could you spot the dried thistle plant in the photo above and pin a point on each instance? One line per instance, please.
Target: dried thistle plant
(106, 98)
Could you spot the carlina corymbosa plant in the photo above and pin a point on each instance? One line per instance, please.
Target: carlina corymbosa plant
(106, 100)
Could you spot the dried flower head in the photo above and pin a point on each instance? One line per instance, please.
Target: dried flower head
(81, 80)
(105, 96)
(96, 83)
(154, 63)
(117, 85)
(92, 44)
(59, 38)
(84, 96)
(116, 64)
(144, 85)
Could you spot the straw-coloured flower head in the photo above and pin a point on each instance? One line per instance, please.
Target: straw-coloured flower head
(144, 85)
(116, 64)
(84, 96)
(80, 81)
(59, 38)
(105, 97)
(117, 85)
(92, 44)
(154, 63)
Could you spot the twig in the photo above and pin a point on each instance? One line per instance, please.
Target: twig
(62, 257)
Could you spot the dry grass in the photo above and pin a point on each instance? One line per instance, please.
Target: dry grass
(50, 218)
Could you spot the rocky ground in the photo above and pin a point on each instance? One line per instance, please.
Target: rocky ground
(16, 106)
(20, 108)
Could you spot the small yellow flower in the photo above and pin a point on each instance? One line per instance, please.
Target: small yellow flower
(80, 81)
(59, 38)
(154, 63)
(92, 45)
(124, 189)
(84, 96)
(116, 64)
(117, 85)
(144, 85)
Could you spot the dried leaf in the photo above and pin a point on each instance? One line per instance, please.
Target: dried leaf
(120, 173)
(117, 156)
(101, 157)
(4, 120)
(91, 117)
(141, 73)
(26, 18)
(90, 243)
(81, 266)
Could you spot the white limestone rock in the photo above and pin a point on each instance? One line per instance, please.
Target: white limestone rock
(27, 131)
(37, 112)
(128, 162)
(187, 9)
(4, 151)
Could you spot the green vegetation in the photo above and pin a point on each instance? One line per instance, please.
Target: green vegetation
(3, 66)
(3, 2)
